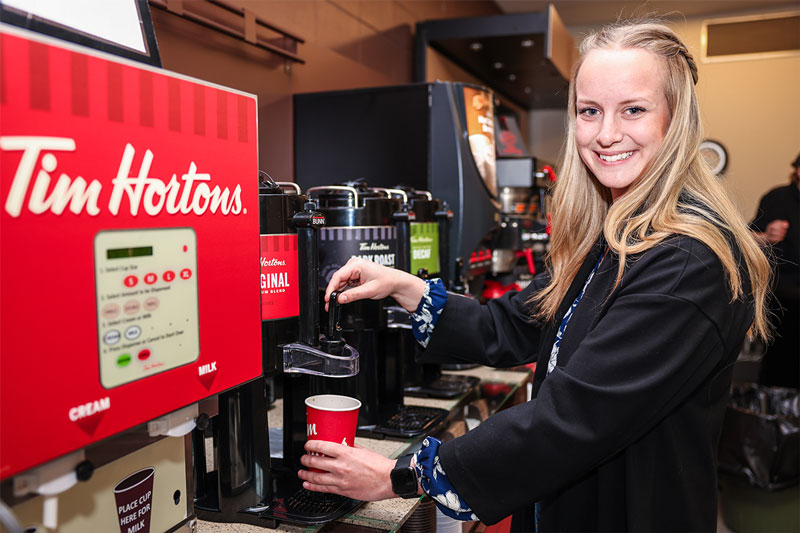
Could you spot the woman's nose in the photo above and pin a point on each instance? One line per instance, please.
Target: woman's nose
(610, 131)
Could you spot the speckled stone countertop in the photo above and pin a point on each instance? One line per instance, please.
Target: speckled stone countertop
(386, 515)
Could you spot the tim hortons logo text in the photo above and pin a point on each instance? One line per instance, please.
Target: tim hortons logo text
(188, 193)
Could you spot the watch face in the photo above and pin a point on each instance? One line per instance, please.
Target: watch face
(404, 480)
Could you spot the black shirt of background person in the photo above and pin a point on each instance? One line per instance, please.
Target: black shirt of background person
(783, 203)
(781, 363)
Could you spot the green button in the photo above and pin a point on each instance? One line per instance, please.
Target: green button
(124, 359)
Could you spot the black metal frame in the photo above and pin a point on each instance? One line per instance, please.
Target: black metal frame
(441, 34)
(29, 21)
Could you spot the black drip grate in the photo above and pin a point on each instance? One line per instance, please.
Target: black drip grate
(309, 503)
(412, 418)
(445, 386)
(449, 383)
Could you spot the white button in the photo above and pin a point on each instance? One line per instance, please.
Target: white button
(132, 332)
(111, 337)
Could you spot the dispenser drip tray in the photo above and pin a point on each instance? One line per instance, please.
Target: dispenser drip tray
(445, 386)
(308, 503)
(408, 421)
(311, 508)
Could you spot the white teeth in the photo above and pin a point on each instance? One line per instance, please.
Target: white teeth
(618, 157)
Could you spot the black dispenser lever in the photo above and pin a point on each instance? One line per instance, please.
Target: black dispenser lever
(333, 342)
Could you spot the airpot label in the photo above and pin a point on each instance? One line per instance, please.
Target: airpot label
(338, 244)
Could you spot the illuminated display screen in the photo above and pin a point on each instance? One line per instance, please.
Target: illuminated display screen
(119, 253)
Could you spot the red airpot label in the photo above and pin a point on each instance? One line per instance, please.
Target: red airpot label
(279, 291)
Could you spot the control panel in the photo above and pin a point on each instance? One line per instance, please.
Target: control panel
(147, 307)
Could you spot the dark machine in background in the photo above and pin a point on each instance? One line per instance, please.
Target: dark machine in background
(417, 135)
(372, 224)
(236, 479)
(527, 59)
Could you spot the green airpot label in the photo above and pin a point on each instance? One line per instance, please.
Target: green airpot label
(425, 247)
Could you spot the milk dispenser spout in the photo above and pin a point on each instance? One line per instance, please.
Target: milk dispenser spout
(329, 357)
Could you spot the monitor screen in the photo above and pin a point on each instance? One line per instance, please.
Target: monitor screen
(120, 27)
(479, 107)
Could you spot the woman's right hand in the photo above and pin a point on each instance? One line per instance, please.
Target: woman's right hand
(361, 279)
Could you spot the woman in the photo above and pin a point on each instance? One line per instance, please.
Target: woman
(653, 280)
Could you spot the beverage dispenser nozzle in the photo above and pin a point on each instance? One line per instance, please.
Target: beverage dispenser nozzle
(333, 342)
(331, 357)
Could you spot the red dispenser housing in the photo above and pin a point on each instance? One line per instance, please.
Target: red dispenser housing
(128, 245)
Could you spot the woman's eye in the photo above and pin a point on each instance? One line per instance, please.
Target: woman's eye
(588, 112)
(635, 110)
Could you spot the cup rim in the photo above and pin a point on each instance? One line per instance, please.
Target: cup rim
(152, 470)
(356, 405)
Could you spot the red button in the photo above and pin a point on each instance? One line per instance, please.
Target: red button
(169, 275)
(150, 278)
(186, 273)
(130, 281)
(144, 354)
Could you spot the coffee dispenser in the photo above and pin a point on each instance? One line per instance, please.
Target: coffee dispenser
(126, 297)
(245, 484)
(428, 235)
(315, 364)
(375, 225)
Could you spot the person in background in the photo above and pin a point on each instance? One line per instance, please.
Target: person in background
(777, 225)
(653, 281)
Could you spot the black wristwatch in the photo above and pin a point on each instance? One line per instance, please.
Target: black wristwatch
(404, 478)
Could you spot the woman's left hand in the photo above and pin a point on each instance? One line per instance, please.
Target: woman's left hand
(357, 472)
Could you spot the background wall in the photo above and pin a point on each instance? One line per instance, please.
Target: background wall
(348, 44)
(750, 106)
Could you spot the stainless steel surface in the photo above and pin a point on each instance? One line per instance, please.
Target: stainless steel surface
(503, 261)
(510, 197)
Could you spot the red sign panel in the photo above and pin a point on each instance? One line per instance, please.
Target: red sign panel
(128, 224)
(279, 290)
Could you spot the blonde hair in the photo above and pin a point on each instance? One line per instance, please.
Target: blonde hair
(677, 193)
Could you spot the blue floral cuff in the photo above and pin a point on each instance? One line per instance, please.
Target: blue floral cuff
(427, 314)
(435, 483)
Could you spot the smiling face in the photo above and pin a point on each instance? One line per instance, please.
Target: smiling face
(622, 114)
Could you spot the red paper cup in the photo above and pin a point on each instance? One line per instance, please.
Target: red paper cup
(333, 418)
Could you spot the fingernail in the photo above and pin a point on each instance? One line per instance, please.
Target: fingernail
(342, 298)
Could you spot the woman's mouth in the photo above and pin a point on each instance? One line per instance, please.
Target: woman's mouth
(615, 157)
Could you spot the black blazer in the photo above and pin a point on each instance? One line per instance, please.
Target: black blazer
(622, 435)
